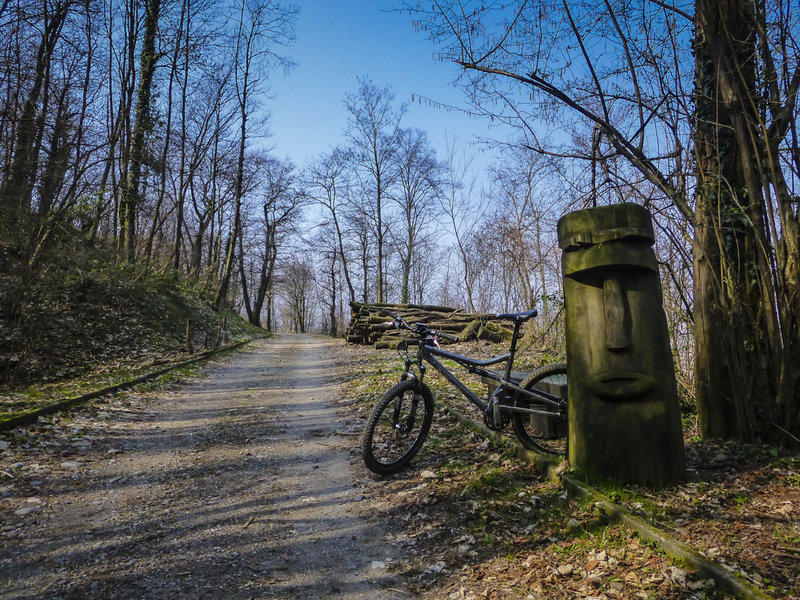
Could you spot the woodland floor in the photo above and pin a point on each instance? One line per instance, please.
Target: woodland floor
(478, 523)
(246, 482)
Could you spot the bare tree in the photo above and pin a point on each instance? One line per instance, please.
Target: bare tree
(326, 182)
(524, 214)
(326, 250)
(419, 180)
(297, 285)
(431, 253)
(281, 208)
(372, 130)
(263, 27)
(359, 229)
(463, 215)
(131, 190)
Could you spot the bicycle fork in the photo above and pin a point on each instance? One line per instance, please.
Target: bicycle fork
(406, 425)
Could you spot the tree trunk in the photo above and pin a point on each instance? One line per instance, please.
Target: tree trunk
(379, 235)
(243, 91)
(266, 271)
(222, 292)
(733, 296)
(345, 267)
(154, 227)
(15, 196)
(245, 291)
(182, 183)
(131, 191)
(365, 268)
(405, 260)
(333, 328)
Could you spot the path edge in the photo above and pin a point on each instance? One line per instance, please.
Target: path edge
(33, 415)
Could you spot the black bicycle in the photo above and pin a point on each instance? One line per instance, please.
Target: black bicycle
(536, 406)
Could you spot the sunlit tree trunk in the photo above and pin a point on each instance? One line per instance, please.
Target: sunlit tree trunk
(245, 40)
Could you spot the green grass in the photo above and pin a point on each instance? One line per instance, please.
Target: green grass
(20, 402)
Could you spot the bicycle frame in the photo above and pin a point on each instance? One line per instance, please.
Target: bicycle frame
(399, 424)
(428, 353)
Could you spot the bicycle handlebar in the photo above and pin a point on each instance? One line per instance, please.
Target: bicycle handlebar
(398, 321)
(420, 329)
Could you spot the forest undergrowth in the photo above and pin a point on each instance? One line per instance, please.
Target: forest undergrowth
(480, 523)
(80, 321)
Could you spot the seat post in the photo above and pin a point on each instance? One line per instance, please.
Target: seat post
(513, 349)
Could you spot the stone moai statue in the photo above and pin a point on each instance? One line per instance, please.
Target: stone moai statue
(624, 417)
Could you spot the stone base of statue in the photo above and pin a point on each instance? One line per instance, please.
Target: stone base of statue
(624, 416)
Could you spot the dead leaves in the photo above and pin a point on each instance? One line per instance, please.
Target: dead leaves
(498, 531)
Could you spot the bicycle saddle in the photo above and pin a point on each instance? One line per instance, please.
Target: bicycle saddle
(519, 317)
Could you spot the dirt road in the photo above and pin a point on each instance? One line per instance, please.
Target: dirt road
(236, 486)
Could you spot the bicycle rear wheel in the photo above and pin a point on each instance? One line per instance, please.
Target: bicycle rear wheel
(543, 432)
(397, 427)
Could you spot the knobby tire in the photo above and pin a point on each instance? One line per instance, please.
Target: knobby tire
(397, 427)
(548, 433)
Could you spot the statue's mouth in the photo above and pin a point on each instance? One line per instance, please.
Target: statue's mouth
(621, 385)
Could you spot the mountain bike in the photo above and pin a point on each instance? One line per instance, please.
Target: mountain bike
(535, 406)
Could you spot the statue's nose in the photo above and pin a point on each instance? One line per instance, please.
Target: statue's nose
(616, 309)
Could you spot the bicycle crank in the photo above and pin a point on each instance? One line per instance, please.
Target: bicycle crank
(494, 417)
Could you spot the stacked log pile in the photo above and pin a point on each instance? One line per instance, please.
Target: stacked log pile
(370, 325)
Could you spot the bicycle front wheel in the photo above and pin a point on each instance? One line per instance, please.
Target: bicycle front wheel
(397, 427)
(545, 431)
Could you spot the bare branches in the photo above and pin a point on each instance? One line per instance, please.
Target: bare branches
(673, 9)
(620, 142)
(589, 62)
(632, 69)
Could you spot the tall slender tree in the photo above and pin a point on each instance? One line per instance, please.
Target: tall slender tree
(143, 123)
(463, 214)
(326, 183)
(420, 178)
(263, 27)
(374, 122)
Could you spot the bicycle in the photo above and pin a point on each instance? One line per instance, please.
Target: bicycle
(535, 406)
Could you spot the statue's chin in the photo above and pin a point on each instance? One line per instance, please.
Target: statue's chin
(621, 385)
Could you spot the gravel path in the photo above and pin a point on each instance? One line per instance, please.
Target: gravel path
(236, 486)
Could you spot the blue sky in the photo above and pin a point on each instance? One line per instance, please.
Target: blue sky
(340, 40)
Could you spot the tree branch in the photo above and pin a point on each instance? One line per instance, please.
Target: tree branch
(674, 9)
(620, 143)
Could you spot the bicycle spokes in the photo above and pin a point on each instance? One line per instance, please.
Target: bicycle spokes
(545, 427)
(397, 427)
